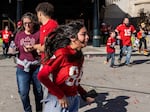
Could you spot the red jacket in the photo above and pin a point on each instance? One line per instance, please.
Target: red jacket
(66, 74)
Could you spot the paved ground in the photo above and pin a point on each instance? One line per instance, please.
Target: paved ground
(120, 89)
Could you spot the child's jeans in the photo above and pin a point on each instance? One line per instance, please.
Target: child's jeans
(112, 57)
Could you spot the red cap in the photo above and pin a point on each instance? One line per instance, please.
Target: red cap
(19, 23)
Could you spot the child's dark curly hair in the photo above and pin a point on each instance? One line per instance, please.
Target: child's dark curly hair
(60, 38)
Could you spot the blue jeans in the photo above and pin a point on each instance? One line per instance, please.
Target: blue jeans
(24, 79)
(112, 57)
(52, 104)
(127, 50)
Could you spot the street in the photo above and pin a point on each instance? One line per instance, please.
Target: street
(120, 89)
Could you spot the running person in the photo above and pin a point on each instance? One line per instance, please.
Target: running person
(64, 61)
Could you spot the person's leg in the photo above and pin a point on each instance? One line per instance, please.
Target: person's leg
(7, 46)
(128, 55)
(52, 104)
(121, 52)
(23, 82)
(74, 103)
(44, 89)
(37, 90)
(4, 46)
(112, 59)
(108, 57)
(145, 43)
(140, 45)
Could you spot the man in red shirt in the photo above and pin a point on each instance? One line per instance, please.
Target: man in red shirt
(6, 35)
(125, 31)
(44, 13)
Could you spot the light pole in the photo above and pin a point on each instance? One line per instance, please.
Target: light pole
(96, 26)
(19, 9)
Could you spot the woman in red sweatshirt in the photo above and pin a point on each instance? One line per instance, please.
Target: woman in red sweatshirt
(64, 60)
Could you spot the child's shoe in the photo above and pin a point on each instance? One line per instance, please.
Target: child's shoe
(105, 62)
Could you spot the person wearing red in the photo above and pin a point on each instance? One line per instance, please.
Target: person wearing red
(110, 48)
(6, 37)
(45, 12)
(141, 35)
(125, 32)
(64, 61)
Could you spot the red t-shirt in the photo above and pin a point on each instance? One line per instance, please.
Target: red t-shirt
(66, 74)
(110, 41)
(6, 35)
(125, 33)
(50, 26)
(139, 35)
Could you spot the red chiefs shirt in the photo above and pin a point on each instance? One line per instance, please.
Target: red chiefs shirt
(66, 72)
(139, 35)
(110, 41)
(125, 33)
(45, 30)
(6, 35)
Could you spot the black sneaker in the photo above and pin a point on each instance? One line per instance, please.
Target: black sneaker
(112, 66)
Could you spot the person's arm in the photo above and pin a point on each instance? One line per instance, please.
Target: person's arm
(39, 47)
(43, 76)
(117, 32)
(89, 97)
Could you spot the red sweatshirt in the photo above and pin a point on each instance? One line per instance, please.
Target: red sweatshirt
(66, 74)
(110, 45)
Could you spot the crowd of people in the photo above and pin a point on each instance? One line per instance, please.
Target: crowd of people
(49, 56)
(123, 35)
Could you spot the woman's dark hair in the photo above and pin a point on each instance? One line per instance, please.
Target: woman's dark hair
(60, 38)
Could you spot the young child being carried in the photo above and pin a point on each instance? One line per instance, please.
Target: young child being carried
(141, 35)
(110, 48)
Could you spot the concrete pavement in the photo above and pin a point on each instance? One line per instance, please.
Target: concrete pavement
(120, 89)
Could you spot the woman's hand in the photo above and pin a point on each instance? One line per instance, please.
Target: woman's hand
(28, 48)
(90, 100)
(63, 102)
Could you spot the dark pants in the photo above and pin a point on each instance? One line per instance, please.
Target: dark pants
(142, 40)
(121, 49)
(5, 47)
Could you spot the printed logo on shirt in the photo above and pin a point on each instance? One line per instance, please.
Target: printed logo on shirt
(5, 36)
(74, 76)
(27, 41)
(127, 32)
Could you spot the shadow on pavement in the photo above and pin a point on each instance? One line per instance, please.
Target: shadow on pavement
(135, 62)
(117, 104)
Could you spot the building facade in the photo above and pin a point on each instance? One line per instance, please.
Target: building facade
(115, 10)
